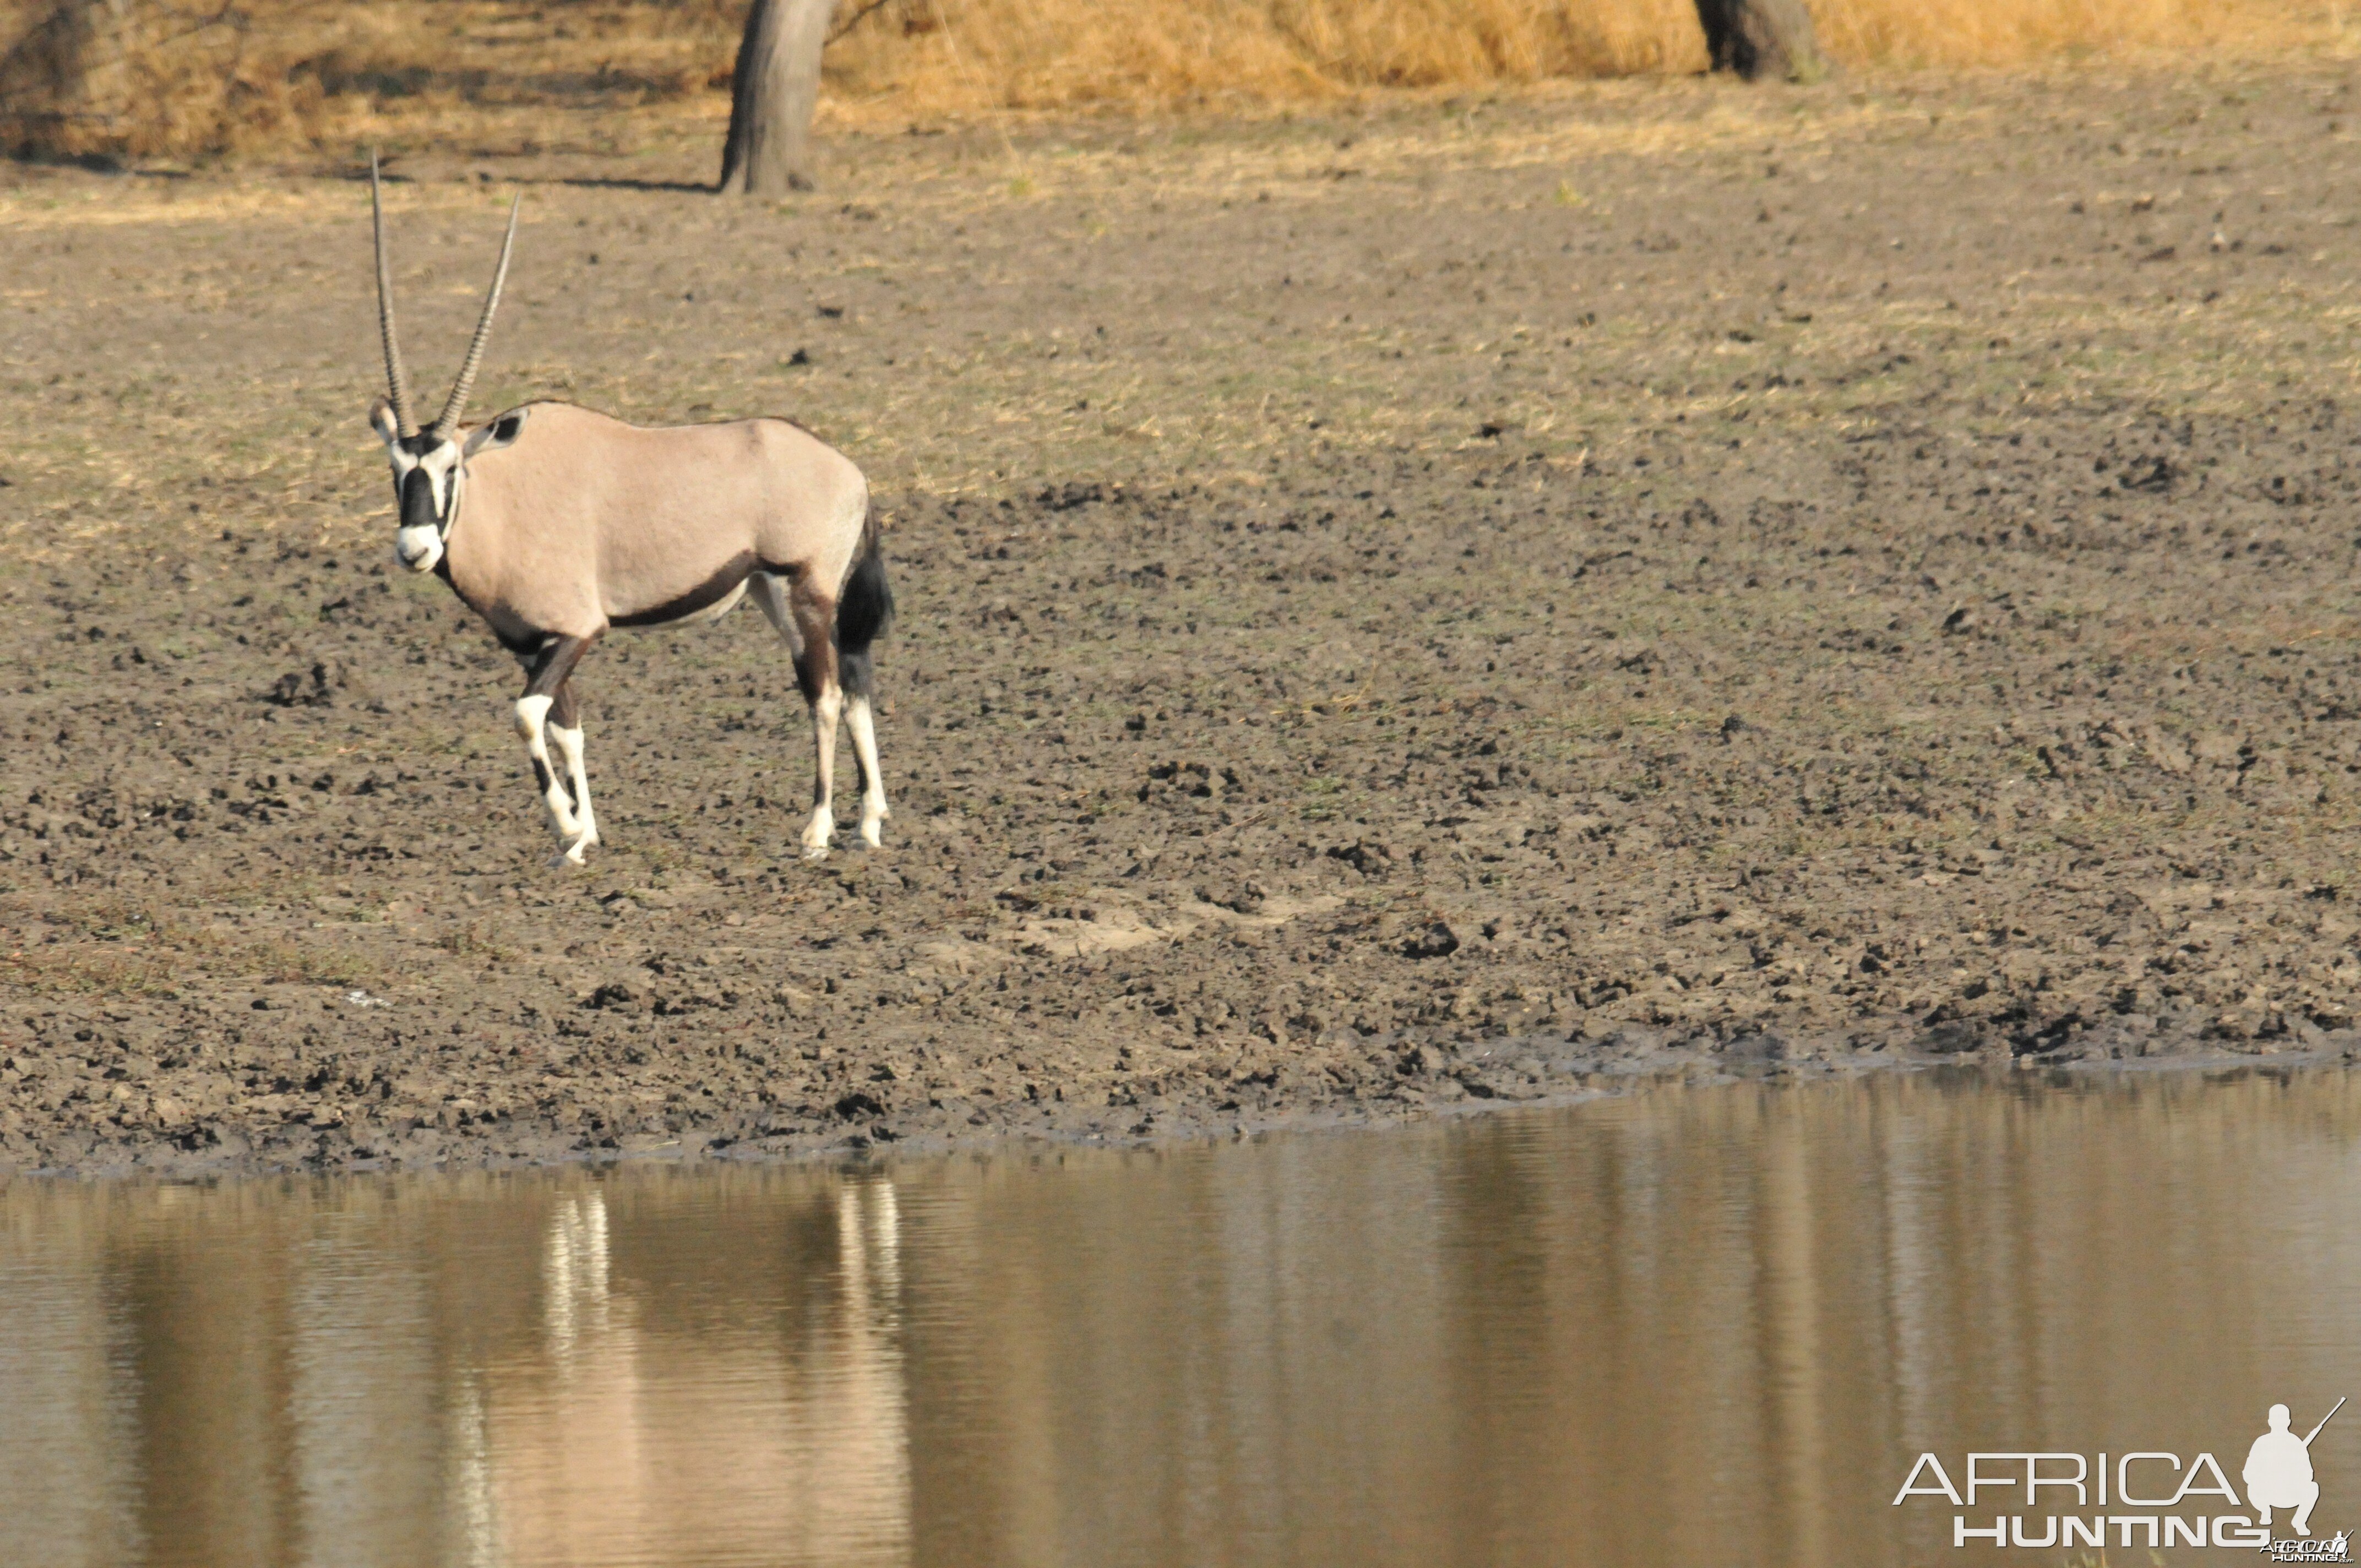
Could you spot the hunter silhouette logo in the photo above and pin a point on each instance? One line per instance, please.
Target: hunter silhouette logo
(2278, 1471)
(2278, 1475)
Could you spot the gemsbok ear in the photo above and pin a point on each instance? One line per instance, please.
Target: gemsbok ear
(501, 433)
(381, 420)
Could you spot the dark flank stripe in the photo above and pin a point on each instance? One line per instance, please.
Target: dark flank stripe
(706, 594)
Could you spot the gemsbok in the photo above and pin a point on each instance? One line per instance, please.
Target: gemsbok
(554, 523)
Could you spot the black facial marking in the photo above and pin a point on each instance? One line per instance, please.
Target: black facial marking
(418, 500)
(706, 594)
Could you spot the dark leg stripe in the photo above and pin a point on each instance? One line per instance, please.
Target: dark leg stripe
(553, 664)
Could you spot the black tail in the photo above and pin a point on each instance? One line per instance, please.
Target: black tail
(862, 612)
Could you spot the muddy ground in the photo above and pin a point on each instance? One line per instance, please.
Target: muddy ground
(1431, 603)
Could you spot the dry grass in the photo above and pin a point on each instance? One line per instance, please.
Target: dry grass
(176, 81)
(964, 55)
(141, 80)
(955, 55)
(1940, 33)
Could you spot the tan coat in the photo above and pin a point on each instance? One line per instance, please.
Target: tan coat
(638, 527)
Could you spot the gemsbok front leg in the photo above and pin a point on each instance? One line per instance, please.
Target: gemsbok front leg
(548, 670)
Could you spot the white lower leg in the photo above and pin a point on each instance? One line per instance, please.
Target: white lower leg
(533, 723)
(863, 725)
(826, 712)
(569, 747)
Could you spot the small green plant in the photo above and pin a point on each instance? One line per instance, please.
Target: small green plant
(1321, 799)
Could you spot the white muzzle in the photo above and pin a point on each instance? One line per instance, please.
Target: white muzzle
(419, 548)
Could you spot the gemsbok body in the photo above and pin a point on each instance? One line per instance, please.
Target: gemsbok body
(555, 523)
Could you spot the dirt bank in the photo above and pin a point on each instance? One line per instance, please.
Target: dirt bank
(1395, 611)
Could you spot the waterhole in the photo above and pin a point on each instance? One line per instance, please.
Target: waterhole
(1686, 1325)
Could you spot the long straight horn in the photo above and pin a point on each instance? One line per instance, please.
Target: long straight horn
(448, 420)
(397, 380)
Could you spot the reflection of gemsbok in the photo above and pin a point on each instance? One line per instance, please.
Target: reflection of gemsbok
(761, 1417)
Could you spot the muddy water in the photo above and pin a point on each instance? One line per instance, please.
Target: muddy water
(1702, 1325)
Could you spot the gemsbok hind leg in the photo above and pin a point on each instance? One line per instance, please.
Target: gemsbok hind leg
(806, 622)
(548, 670)
(862, 613)
(565, 730)
(863, 727)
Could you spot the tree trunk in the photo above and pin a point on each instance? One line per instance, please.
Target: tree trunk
(1760, 37)
(773, 91)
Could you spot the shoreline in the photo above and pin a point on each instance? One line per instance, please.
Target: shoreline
(1439, 1082)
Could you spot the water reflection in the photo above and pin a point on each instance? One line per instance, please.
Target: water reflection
(1689, 1324)
(691, 1414)
(478, 1369)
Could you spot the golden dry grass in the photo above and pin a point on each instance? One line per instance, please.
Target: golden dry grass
(186, 79)
(141, 80)
(956, 55)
